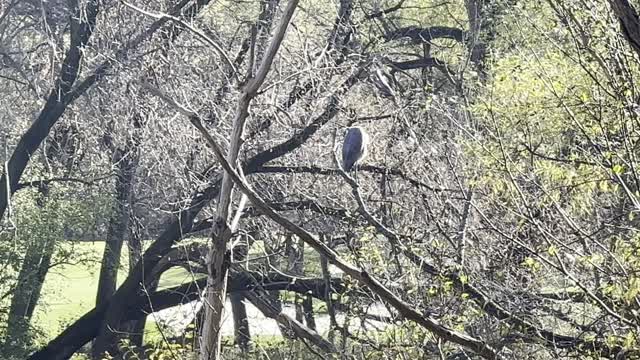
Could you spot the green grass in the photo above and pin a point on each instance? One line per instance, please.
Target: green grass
(70, 290)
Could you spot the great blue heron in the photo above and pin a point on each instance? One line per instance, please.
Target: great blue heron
(354, 148)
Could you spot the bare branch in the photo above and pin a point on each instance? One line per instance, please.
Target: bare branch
(366, 168)
(419, 35)
(36, 183)
(200, 34)
(362, 276)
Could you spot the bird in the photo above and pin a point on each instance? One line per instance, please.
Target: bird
(354, 147)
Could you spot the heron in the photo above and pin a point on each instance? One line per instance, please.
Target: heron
(354, 148)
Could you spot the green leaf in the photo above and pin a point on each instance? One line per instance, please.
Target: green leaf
(464, 278)
(618, 169)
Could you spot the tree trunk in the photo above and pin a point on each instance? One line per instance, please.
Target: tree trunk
(273, 296)
(218, 262)
(478, 48)
(240, 321)
(58, 154)
(82, 25)
(484, 16)
(218, 259)
(139, 304)
(126, 161)
(136, 327)
(333, 324)
(629, 22)
(118, 225)
(294, 252)
(242, 334)
(307, 308)
(30, 280)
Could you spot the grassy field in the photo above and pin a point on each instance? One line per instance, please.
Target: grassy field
(70, 289)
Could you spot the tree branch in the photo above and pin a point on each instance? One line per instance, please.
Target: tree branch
(386, 11)
(419, 35)
(366, 168)
(82, 25)
(200, 34)
(36, 183)
(629, 22)
(360, 275)
(217, 262)
(551, 339)
(142, 304)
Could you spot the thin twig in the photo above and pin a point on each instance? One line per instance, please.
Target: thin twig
(200, 34)
(362, 276)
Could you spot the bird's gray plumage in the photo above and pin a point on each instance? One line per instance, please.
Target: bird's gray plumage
(354, 148)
